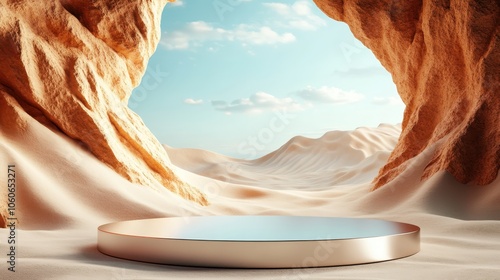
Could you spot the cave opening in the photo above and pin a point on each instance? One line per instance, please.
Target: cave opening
(243, 81)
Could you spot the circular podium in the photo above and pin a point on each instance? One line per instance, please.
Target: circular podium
(259, 241)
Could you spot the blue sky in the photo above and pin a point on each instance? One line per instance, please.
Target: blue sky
(243, 77)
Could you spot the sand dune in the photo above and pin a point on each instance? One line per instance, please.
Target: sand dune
(64, 193)
(337, 158)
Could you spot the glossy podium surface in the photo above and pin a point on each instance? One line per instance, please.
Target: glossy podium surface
(259, 241)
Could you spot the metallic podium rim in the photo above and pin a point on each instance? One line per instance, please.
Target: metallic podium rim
(144, 240)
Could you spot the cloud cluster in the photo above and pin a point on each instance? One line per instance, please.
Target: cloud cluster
(298, 15)
(257, 103)
(198, 32)
(295, 16)
(329, 95)
(192, 101)
(264, 102)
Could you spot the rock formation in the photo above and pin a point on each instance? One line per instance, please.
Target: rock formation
(72, 65)
(444, 57)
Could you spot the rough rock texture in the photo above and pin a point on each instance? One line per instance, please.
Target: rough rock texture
(444, 56)
(72, 65)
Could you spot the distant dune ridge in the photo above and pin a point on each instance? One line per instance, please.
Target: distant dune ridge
(72, 65)
(444, 57)
(338, 158)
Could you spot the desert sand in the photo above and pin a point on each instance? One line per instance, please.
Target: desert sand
(64, 193)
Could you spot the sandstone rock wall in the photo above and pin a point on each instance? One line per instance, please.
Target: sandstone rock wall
(72, 65)
(444, 57)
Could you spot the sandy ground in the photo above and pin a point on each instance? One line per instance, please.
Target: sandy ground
(63, 193)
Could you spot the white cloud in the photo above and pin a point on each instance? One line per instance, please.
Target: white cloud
(198, 32)
(393, 101)
(329, 95)
(258, 103)
(280, 8)
(298, 15)
(192, 101)
(263, 102)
